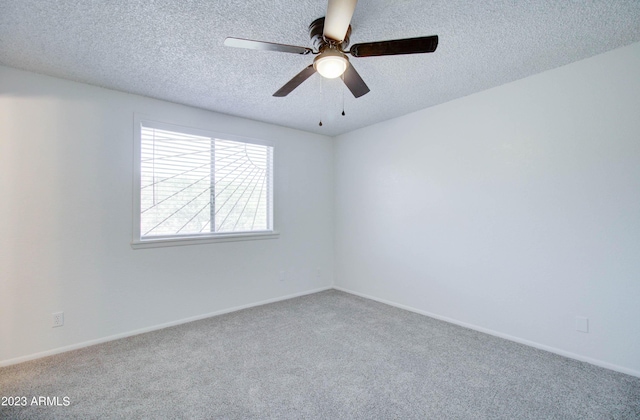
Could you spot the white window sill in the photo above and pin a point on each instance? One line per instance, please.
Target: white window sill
(209, 239)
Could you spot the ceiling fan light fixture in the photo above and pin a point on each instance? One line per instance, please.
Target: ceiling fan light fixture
(330, 36)
(331, 63)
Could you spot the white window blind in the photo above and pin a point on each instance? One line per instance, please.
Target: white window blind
(194, 185)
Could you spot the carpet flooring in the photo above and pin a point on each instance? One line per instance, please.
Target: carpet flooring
(330, 355)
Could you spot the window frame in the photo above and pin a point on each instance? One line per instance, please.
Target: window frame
(138, 242)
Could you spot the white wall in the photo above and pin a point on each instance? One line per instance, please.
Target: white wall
(513, 210)
(66, 187)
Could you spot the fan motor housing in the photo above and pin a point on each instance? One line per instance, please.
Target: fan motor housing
(318, 40)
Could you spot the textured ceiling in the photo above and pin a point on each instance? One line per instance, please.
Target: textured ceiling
(173, 50)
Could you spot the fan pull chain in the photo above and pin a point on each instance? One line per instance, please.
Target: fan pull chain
(321, 98)
(343, 114)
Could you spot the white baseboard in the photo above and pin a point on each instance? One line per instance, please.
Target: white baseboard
(550, 349)
(153, 328)
(88, 343)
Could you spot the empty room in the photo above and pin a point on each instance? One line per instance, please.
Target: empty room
(321, 209)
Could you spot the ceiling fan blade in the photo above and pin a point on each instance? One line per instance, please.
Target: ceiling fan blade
(296, 81)
(354, 82)
(423, 44)
(265, 46)
(338, 18)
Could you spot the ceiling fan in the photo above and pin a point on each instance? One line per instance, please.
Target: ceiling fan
(330, 38)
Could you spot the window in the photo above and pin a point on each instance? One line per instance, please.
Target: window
(197, 186)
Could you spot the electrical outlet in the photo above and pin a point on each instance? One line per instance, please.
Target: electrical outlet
(58, 319)
(283, 275)
(318, 273)
(582, 324)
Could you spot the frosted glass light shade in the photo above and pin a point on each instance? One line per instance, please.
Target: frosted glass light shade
(330, 64)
